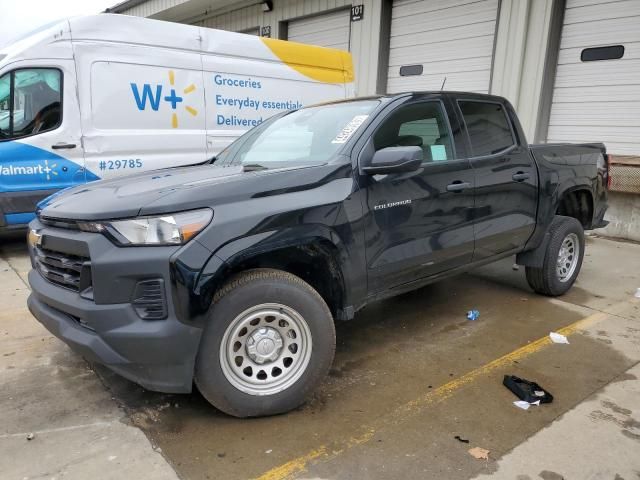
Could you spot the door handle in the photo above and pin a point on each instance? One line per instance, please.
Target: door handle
(458, 186)
(520, 176)
(62, 145)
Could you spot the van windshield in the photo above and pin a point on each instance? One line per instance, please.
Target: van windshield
(308, 136)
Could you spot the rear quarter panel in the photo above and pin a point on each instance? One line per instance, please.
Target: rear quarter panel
(563, 168)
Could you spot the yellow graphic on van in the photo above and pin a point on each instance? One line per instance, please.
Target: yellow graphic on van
(174, 99)
(327, 68)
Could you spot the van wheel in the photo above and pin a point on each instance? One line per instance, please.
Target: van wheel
(269, 342)
(563, 258)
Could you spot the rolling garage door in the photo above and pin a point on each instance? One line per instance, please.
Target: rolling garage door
(441, 38)
(327, 30)
(596, 95)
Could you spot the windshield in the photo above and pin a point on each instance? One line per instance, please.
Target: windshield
(307, 136)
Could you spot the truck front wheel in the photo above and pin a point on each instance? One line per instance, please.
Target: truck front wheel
(269, 342)
(562, 260)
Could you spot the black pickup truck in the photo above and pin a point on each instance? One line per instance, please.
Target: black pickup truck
(231, 274)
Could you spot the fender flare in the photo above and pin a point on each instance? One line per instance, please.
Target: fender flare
(230, 255)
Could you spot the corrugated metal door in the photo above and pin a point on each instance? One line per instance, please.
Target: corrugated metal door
(327, 30)
(598, 100)
(448, 38)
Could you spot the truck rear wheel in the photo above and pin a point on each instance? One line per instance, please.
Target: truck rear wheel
(563, 258)
(269, 342)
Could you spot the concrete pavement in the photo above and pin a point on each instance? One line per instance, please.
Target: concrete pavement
(410, 375)
(47, 391)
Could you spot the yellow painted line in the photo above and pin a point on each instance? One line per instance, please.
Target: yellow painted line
(174, 120)
(297, 465)
(191, 110)
(172, 77)
(190, 88)
(327, 452)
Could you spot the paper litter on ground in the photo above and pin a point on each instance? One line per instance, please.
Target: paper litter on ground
(522, 404)
(479, 453)
(525, 405)
(558, 338)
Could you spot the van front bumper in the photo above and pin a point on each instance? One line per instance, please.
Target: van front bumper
(157, 354)
(17, 208)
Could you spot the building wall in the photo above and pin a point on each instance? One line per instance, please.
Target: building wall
(523, 57)
(150, 8)
(520, 53)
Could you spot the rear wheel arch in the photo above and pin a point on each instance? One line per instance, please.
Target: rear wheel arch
(577, 203)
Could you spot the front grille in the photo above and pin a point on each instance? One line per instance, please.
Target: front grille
(58, 223)
(69, 271)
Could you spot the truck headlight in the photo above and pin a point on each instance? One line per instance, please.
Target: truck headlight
(170, 229)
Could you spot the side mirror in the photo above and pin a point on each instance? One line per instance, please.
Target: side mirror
(395, 160)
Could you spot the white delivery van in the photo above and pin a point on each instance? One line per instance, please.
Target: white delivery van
(105, 95)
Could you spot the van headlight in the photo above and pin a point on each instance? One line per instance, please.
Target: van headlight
(170, 229)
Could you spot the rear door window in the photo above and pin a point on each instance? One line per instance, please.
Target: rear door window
(488, 127)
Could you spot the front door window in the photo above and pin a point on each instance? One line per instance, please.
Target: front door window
(30, 102)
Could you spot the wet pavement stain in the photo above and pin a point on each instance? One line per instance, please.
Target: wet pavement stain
(615, 408)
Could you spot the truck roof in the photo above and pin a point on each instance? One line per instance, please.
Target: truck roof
(419, 93)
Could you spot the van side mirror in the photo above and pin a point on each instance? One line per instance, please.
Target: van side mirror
(395, 160)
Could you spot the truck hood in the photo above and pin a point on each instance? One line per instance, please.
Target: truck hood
(163, 191)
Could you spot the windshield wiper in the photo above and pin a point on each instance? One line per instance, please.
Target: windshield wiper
(252, 167)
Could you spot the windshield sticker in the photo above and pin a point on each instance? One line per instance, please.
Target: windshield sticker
(348, 130)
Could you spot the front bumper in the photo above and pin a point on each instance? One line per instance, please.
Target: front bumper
(157, 354)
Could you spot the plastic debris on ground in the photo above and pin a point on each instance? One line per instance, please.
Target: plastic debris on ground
(479, 453)
(558, 338)
(473, 315)
(525, 405)
(528, 392)
(460, 439)
(31, 436)
(637, 295)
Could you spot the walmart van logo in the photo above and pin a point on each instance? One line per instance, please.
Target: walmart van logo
(152, 96)
(47, 169)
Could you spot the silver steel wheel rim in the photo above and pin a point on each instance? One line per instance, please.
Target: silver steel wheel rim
(265, 349)
(568, 257)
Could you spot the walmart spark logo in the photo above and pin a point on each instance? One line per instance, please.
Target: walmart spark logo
(49, 170)
(154, 97)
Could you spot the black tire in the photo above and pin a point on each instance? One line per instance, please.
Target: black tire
(245, 291)
(545, 280)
